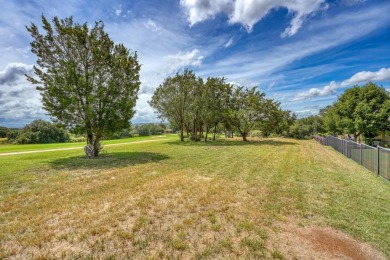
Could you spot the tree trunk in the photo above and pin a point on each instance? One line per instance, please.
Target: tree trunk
(92, 148)
(243, 134)
(96, 146)
(181, 134)
(207, 132)
(355, 136)
(215, 130)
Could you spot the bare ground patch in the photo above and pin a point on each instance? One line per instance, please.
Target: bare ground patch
(313, 242)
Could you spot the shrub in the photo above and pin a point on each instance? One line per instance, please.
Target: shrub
(255, 133)
(12, 135)
(40, 131)
(77, 138)
(3, 131)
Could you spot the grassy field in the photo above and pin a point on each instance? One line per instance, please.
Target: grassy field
(168, 199)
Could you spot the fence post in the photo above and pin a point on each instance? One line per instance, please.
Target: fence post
(377, 162)
(361, 155)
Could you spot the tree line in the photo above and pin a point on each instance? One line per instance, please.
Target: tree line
(198, 107)
(359, 111)
(44, 132)
(363, 112)
(90, 85)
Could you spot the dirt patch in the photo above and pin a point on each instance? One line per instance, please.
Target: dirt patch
(295, 242)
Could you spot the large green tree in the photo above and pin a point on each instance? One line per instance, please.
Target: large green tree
(216, 95)
(87, 82)
(248, 109)
(360, 110)
(173, 99)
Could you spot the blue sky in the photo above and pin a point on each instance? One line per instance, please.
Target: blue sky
(302, 53)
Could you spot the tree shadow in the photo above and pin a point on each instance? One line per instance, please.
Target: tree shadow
(225, 142)
(105, 161)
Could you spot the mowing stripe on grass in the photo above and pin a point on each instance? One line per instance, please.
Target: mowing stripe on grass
(74, 148)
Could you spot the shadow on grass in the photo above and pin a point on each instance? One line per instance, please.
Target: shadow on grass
(232, 143)
(109, 160)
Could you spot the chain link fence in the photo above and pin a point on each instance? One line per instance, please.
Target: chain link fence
(376, 159)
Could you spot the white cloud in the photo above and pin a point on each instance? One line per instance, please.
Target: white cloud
(306, 112)
(118, 11)
(13, 72)
(152, 26)
(352, 2)
(229, 43)
(325, 34)
(316, 92)
(183, 59)
(200, 10)
(19, 98)
(271, 85)
(364, 76)
(361, 77)
(249, 12)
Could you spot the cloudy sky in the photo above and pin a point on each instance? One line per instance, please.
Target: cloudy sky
(302, 53)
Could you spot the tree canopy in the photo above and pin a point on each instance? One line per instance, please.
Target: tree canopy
(172, 99)
(87, 82)
(3, 131)
(42, 132)
(360, 110)
(196, 106)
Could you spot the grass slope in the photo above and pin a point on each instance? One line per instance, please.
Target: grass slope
(184, 200)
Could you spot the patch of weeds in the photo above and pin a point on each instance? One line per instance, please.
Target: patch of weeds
(139, 223)
(276, 254)
(178, 244)
(255, 245)
(212, 217)
(140, 244)
(227, 243)
(208, 252)
(216, 227)
(124, 235)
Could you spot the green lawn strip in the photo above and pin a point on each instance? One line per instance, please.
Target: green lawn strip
(33, 147)
(183, 199)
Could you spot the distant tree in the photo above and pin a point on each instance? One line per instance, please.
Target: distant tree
(285, 120)
(156, 129)
(42, 132)
(194, 115)
(360, 110)
(248, 109)
(86, 81)
(12, 135)
(307, 127)
(274, 120)
(124, 133)
(331, 120)
(214, 105)
(143, 130)
(172, 99)
(3, 131)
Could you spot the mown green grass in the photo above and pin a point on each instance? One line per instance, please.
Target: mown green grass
(5, 148)
(172, 199)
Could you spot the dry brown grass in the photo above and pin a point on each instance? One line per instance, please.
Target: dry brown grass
(172, 200)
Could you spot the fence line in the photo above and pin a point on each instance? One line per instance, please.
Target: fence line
(376, 159)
